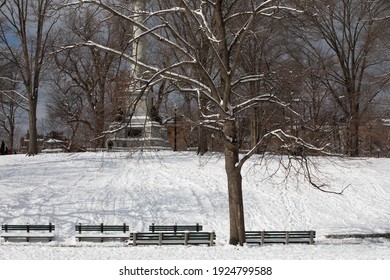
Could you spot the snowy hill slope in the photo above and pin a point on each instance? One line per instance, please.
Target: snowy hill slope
(167, 187)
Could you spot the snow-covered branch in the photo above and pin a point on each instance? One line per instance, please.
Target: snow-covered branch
(248, 79)
(11, 80)
(11, 93)
(282, 136)
(270, 98)
(262, 9)
(132, 19)
(207, 32)
(156, 72)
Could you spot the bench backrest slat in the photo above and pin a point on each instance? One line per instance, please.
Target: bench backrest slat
(50, 227)
(175, 228)
(101, 228)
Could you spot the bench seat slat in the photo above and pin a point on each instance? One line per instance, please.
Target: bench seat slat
(277, 240)
(83, 235)
(101, 237)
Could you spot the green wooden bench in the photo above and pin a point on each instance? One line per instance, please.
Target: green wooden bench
(285, 237)
(172, 238)
(101, 232)
(28, 232)
(175, 228)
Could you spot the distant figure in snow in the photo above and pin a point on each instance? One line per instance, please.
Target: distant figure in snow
(2, 149)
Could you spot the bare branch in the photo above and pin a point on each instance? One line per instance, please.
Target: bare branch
(10, 95)
(321, 187)
(282, 136)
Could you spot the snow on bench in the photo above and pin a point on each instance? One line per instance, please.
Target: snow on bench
(27, 232)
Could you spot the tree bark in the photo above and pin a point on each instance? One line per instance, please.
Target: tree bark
(202, 141)
(33, 134)
(234, 178)
(100, 114)
(353, 135)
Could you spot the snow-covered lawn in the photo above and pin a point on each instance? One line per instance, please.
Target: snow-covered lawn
(167, 187)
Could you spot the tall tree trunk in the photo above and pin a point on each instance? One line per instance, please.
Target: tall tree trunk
(255, 127)
(100, 117)
(234, 178)
(99, 127)
(202, 141)
(202, 132)
(33, 134)
(353, 135)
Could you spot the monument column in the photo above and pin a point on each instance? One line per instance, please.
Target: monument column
(139, 53)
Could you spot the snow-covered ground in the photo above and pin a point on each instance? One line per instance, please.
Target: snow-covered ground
(167, 187)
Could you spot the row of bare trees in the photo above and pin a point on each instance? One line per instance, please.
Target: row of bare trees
(328, 59)
(347, 39)
(87, 78)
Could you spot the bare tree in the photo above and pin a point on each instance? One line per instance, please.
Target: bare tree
(92, 69)
(25, 33)
(224, 27)
(12, 103)
(344, 37)
(65, 108)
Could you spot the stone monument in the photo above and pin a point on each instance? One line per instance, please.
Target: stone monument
(134, 128)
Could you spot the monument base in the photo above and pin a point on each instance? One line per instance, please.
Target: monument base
(138, 134)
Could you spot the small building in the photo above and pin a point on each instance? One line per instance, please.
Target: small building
(54, 142)
(24, 142)
(54, 146)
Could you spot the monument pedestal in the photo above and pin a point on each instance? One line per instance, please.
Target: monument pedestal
(139, 133)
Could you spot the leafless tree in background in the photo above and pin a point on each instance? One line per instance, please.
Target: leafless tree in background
(12, 104)
(91, 70)
(344, 38)
(24, 33)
